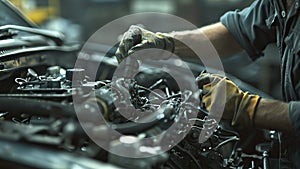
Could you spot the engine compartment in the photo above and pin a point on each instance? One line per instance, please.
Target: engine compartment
(145, 122)
(54, 114)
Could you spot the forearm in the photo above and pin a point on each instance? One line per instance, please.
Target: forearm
(271, 114)
(203, 39)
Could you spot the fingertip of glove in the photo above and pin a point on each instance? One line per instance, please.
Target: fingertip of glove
(119, 55)
(134, 29)
(131, 51)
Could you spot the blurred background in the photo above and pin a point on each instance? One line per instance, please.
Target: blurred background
(90, 15)
(79, 19)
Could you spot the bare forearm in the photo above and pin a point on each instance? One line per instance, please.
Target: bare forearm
(203, 39)
(222, 40)
(271, 114)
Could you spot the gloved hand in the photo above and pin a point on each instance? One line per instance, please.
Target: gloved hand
(137, 38)
(240, 106)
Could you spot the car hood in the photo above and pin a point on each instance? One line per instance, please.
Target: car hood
(10, 15)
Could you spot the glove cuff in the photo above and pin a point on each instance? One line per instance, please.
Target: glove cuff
(253, 105)
(246, 110)
(169, 43)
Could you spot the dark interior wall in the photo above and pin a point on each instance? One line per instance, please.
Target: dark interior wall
(92, 14)
(211, 10)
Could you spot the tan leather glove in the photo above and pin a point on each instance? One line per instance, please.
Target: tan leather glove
(239, 107)
(137, 38)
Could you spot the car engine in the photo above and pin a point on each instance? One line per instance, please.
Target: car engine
(54, 114)
(42, 128)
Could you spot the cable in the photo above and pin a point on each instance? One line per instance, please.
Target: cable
(187, 95)
(190, 155)
(197, 127)
(230, 131)
(197, 119)
(156, 94)
(227, 141)
(279, 141)
(175, 163)
(158, 82)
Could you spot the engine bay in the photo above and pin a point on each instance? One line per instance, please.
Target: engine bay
(55, 113)
(145, 122)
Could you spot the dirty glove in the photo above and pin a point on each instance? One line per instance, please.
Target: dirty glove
(137, 38)
(239, 107)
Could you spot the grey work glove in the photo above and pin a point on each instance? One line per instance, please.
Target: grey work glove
(137, 38)
(239, 107)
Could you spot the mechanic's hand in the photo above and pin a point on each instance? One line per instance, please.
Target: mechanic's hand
(239, 106)
(137, 38)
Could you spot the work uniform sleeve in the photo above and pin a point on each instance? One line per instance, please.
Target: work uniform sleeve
(294, 114)
(253, 27)
(293, 142)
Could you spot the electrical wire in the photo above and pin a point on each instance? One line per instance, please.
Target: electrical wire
(190, 155)
(197, 119)
(197, 127)
(226, 141)
(156, 84)
(187, 95)
(151, 91)
(175, 163)
(230, 131)
(279, 141)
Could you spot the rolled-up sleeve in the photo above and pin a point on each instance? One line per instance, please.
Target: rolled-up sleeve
(294, 114)
(252, 27)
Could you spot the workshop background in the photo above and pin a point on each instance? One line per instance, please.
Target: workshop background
(79, 19)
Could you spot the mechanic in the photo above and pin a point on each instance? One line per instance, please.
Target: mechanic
(251, 29)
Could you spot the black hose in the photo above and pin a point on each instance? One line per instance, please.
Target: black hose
(133, 128)
(125, 128)
(16, 105)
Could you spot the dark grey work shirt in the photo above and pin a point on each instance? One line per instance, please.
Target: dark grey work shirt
(264, 22)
